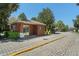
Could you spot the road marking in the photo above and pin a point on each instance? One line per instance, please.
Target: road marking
(35, 46)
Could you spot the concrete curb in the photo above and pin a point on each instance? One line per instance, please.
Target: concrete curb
(31, 48)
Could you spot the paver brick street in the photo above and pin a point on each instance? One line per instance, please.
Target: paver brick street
(67, 46)
(10, 47)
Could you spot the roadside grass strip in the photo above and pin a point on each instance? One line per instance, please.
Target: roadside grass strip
(35, 45)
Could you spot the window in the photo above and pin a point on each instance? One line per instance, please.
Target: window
(26, 30)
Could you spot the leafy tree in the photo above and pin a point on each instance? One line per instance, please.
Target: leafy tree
(34, 18)
(46, 16)
(61, 26)
(22, 16)
(76, 23)
(66, 27)
(5, 11)
(12, 19)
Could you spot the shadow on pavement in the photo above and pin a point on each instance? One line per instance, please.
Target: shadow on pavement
(4, 40)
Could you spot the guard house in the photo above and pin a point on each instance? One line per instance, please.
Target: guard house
(29, 27)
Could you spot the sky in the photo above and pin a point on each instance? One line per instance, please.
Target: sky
(62, 11)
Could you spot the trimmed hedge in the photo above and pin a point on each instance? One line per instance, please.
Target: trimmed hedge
(12, 35)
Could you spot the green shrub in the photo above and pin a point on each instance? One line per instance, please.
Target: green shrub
(6, 34)
(12, 35)
(75, 30)
(48, 32)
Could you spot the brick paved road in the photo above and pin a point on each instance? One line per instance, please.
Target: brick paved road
(68, 46)
(9, 47)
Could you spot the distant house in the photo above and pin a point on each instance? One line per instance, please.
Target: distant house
(29, 27)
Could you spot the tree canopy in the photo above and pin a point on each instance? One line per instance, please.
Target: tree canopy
(60, 26)
(34, 18)
(77, 4)
(22, 16)
(5, 11)
(76, 22)
(46, 16)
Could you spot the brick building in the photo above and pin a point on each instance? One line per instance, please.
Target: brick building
(31, 27)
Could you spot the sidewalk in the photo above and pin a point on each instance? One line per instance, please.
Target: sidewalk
(10, 47)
